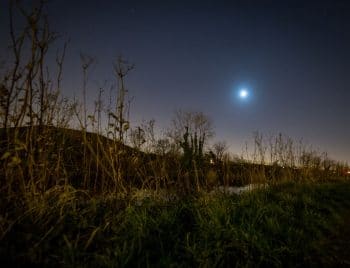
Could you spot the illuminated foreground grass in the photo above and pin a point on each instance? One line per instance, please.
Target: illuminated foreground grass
(283, 225)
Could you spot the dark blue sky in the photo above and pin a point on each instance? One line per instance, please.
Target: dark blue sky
(293, 57)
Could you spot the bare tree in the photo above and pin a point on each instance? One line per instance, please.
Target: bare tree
(191, 132)
(219, 150)
(137, 137)
(197, 125)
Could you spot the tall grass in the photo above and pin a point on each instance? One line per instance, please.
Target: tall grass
(38, 149)
(81, 195)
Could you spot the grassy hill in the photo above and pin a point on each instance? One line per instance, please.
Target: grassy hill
(49, 156)
(77, 199)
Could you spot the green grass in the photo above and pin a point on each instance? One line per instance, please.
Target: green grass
(68, 197)
(278, 226)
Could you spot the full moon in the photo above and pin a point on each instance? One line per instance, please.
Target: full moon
(243, 93)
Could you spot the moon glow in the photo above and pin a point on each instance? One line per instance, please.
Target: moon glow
(243, 93)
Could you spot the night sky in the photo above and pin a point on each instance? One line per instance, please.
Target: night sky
(293, 57)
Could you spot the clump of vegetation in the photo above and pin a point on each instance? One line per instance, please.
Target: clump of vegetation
(74, 192)
(279, 226)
